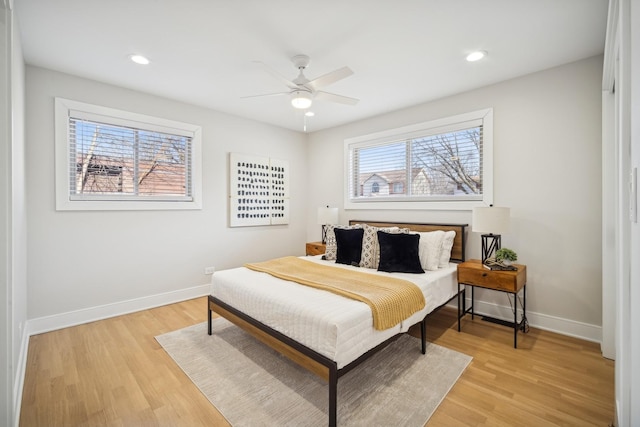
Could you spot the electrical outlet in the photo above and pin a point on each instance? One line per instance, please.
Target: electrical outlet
(209, 270)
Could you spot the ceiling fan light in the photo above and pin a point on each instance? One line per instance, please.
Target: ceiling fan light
(301, 99)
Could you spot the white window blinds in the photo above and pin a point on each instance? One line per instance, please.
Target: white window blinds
(109, 161)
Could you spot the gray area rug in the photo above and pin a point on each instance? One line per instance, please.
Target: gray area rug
(252, 385)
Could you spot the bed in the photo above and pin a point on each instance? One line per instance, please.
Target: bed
(326, 333)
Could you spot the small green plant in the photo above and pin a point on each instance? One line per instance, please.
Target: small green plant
(506, 254)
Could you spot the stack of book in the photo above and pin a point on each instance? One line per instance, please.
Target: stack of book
(495, 265)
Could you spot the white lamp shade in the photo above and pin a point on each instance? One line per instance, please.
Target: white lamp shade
(327, 215)
(490, 220)
(301, 99)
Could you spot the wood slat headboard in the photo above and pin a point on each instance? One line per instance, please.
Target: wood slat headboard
(459, 249)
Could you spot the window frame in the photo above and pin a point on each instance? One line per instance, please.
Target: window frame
(431, 127)
(64, 200)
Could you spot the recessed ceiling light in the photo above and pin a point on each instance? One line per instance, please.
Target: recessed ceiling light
(309, 114)
(476, 56)
(139, 59)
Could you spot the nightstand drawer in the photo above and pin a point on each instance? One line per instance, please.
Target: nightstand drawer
(477, 275)
(316, 248)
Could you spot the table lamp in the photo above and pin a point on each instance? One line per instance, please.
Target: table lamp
(327, 216)
(491, 221)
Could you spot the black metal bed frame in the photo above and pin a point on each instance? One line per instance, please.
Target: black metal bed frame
(332, 368)
(303, 355)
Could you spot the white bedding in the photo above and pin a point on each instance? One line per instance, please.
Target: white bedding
(336, 327)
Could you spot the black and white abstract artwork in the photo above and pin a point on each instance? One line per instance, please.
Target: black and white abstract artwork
(258, 190)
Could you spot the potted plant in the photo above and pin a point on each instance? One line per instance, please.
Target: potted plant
(506, 256)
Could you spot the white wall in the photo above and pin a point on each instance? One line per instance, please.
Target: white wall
(20, 337)
(83, 260)
(634, 315)
(547, 163)
(13, 254)
(547, 129)
(5, 219)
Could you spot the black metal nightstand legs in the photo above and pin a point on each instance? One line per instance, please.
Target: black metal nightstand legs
(459, 307)
(515, 320)
(522, 325)
(462, 296)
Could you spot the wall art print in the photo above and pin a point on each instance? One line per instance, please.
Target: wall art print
(258, 190)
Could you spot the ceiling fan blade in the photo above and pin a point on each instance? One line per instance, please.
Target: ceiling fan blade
(326, 96)
(277, 75)
(266, 94)
(330, 78)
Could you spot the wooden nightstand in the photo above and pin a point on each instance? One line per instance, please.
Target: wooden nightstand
(316, 248)
(473, 273)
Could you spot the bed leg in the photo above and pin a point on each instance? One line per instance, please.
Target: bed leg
(423, 335)
(333, 396)
(209, 319)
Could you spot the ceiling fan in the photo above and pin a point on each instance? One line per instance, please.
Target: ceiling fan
(303, 91)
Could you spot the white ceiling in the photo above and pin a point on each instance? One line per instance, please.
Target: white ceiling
(402, 52)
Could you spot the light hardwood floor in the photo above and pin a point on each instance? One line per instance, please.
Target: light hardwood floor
(114, 373)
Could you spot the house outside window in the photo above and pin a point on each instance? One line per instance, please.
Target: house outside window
(115, 160)
(441, 164)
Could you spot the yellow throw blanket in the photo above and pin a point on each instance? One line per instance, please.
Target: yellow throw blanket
(392, 300)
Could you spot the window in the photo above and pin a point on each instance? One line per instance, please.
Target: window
(442, 164)
(115, 160)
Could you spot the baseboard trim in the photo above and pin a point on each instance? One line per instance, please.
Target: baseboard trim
(91, 314)
(572, 328)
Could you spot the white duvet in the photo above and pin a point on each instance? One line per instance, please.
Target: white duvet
(336, 327)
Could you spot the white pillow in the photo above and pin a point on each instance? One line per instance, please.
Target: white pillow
(447, 245)
(331, 250)
(429, 249)
(370, 247)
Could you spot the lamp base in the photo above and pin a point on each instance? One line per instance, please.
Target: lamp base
(490, 244)
(324, 234)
